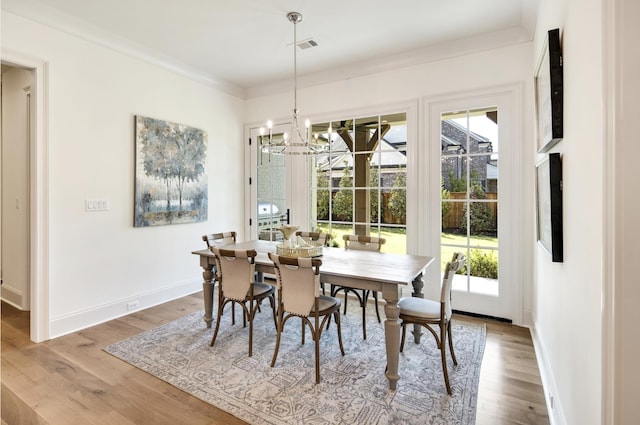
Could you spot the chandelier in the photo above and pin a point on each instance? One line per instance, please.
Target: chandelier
(297, 141)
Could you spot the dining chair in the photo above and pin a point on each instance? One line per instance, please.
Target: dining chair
(424, 312)
(219, 239)
(298, 283)
(365, 243)
(237, 285)
(315, 237)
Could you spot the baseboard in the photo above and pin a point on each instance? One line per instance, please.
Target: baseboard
(79, 320)
(11, 296)
(554, 404)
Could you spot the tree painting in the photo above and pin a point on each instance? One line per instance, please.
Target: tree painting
(171, 183)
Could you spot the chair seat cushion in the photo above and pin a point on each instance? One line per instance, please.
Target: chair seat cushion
(326, 303)
(419, 307)
(262, 289)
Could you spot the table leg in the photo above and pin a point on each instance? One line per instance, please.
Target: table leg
(392, 333)
(207, 290)
(418, 284)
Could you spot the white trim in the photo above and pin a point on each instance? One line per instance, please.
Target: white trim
(611, 45)
(38, 194)
(12, 296)
(82, 319)
(554, 408)
(511, 306)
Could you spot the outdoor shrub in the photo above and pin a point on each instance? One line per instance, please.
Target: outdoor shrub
(398, 198)
(483, 263)
(481, 218)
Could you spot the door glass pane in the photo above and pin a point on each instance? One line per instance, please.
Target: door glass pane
(271, 190)
(454, 175)
(469, 197)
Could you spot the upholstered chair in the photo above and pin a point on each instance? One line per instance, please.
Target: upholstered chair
(298, 283)
(218, 239)
(430, 314)
(236, 285)
(315, 237)
(365, 243)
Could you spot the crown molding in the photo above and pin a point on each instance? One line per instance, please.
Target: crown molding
(46, 15)
(448, 50)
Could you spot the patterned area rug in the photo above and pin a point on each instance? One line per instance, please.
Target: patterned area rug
(353, 388)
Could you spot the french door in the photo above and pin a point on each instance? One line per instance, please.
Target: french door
(475, 180)
(271, 185)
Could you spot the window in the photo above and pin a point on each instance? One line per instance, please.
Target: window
(359, 186)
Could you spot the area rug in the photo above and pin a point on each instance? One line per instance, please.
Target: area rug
(353, 388)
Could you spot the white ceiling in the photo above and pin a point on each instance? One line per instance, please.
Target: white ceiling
(245, 45)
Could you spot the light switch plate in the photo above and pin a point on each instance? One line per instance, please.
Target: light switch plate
(94, 205)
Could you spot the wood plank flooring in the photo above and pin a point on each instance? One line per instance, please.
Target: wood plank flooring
(70, 380)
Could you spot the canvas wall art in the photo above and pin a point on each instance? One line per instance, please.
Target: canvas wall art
(171, 179)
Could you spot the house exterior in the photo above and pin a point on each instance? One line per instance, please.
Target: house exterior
(455, 143)
(86, 267)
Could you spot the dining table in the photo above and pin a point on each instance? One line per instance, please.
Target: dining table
(384, 272)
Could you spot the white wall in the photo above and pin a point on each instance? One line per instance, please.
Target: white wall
(15, 194)
(98, 261)
(567, 301)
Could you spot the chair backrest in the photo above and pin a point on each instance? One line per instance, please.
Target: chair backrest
(456, 263)
(218, 239)
(318, 237)
(235, 269)
(364, 243)
(298, 282)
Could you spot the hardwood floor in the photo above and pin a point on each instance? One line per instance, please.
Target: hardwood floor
(70, 380)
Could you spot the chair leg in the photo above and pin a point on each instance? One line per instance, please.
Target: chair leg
(272, 301)
(453, 354)
(375, 298)
(251, 314)
(302, 330)
(345, 301)
(278, 332)
(215, 332)
(337, 316)
(316, 340)
(363, 304)
(404, 331)
(443, 354)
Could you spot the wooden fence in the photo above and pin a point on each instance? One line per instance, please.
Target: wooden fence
(453, 217)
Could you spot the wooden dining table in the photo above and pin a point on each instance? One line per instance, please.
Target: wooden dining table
(382, 272)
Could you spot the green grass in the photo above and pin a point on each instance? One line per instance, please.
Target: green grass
(476, 241)
(397, 240)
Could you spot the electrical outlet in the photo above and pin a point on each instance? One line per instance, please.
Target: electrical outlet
(133, 305)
